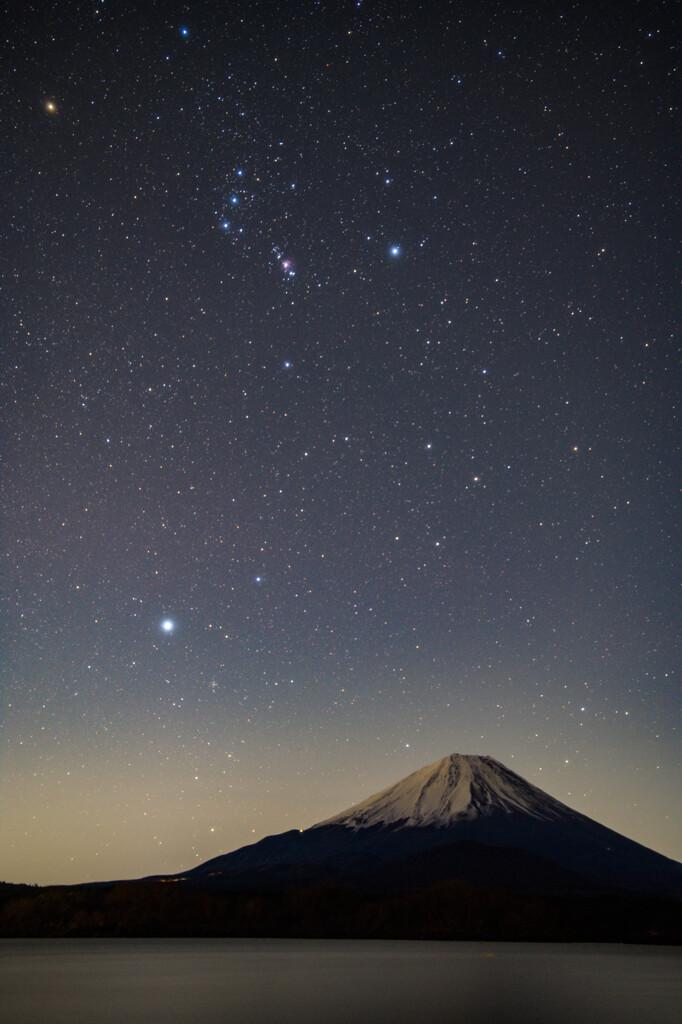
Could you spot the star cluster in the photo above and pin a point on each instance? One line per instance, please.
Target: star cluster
(339, 417)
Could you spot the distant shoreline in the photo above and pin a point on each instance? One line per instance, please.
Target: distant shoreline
(449, 910)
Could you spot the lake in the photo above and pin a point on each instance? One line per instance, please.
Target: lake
(290, 981)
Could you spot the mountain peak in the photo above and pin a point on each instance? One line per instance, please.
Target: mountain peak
(462, 809)
(459, 787)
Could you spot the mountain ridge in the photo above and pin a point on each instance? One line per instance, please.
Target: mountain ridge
(459, 799)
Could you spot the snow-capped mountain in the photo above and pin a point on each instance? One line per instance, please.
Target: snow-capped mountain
(465, 816)
(457, 788)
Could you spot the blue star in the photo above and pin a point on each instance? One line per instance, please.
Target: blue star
(184, 32)
(395, 251)
(167, 626)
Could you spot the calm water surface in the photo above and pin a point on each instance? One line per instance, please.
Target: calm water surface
(279, 981)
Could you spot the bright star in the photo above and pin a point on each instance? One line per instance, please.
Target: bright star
(184, 32)
(167, 625)
(395, 250)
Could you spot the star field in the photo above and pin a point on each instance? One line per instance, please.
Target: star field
(339, 380)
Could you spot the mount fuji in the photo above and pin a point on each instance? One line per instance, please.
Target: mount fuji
(465, 816)
(461, 849)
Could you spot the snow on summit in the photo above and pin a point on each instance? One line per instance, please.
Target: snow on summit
(460, 787)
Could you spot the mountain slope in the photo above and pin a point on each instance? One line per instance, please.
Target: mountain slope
(462, 799)
(457, 788)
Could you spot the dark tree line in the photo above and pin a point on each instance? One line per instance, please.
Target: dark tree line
(448, 910)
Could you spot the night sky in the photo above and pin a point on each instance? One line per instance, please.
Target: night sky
(338, 403)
